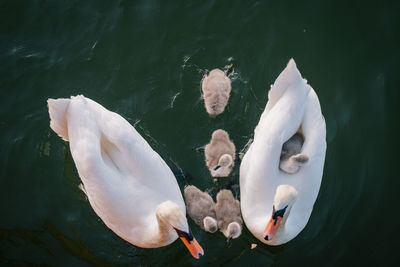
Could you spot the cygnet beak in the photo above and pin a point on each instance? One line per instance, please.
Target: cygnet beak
(217, 167)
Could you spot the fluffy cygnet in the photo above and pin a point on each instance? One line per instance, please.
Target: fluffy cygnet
(291, 159)
(228, 214)
(216, 88)
(220, 154)
(201, 208)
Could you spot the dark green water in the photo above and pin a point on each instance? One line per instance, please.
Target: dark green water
(144, 60)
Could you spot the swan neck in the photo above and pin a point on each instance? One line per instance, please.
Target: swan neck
(163, 234)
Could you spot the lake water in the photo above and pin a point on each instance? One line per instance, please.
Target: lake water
(145, 60)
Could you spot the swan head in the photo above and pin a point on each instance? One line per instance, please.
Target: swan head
(234, 230)
(284, 199)
(224, 166)
(172, 216)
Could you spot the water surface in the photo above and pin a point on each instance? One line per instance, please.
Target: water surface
(145, 60)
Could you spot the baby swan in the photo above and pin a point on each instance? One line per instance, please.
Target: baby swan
(216, 88)
(201, 208)
(291, 159)
(228, 215)
(220, 154)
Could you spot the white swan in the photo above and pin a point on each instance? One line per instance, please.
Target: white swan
(292, 105)
(127, 183)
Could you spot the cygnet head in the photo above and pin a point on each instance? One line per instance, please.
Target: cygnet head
(224, 166)
(284, 199)
(210, 224)
(170, 214)
(234, 230)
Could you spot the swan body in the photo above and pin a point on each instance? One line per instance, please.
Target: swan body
(220, 154)
(216, 87)
(127, 183)
(292, 105)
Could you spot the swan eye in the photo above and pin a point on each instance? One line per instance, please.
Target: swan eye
(277, 213)
(187, 236)
(217, 167)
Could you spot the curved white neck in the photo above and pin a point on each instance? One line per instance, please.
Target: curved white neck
(162, 232)
(168, 216)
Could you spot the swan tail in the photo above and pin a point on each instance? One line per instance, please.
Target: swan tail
(210, 224)
(58, 121)
(289, 76)
(294, 163)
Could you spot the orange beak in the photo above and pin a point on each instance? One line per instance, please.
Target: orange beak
(271, 228)
(193, 246)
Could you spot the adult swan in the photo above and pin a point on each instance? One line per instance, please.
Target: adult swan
(128, 184)
(276, 205)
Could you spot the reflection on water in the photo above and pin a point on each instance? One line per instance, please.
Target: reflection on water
(145, 60)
